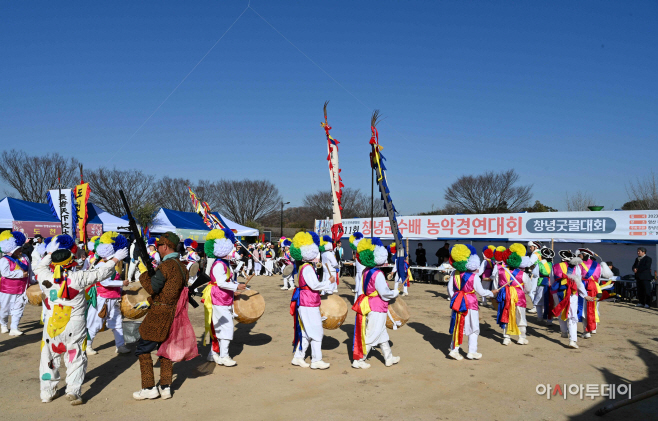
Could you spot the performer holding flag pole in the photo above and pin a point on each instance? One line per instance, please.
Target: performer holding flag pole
(336, 188)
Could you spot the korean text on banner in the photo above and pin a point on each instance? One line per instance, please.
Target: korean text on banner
(81, 198)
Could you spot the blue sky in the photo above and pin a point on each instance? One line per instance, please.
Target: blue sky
(565, 92)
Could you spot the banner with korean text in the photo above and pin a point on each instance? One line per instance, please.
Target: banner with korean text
(610, 225)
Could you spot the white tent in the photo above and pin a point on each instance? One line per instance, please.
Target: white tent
(191, 225)
(96, 215)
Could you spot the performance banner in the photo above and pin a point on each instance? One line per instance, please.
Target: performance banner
(611, 225)
(63, 207)
(81, 198)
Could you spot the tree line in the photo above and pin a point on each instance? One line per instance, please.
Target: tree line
(247, 202)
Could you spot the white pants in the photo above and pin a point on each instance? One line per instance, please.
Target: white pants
(113, 320)
(289, 281)
(486, 285)
(312, 333)
(238, 268)
(72, 342)
(376, 332)
(404, 287)
(571, 324)
(12, 304)
(521, 322)
(250, 266)
(533, 288)
(257, 268)
(269, 266)
(471, 329)
(133, 272)
(222, 321)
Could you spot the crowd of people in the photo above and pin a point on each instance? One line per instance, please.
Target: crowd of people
(82, 291)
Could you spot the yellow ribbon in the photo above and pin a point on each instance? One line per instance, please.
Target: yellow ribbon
(365, 309)
(207, 311)
(512, 327)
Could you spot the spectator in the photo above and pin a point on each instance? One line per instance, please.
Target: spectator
(443, 254)
(615, 270)
(642, 270)
(421, 259)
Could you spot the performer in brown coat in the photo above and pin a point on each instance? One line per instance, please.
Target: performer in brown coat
(165, 288)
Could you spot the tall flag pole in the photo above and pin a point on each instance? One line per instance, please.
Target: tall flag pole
(377, 163)
(336, 180)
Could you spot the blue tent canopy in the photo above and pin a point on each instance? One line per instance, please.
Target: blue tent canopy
(21, 210)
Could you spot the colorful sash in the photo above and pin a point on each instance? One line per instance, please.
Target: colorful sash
(362, 308)
(459, 308)
(564, 288)
(592, 288)
(507, 299)
(295, 302)
(23, 265)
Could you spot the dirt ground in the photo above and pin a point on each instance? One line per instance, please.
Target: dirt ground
(425, 385)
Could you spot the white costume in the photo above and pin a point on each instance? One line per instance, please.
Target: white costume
(521, 321)
(222, 315)
(64, 332)
(106, 298)
(312, 330)
(12, 302)
(472, 320)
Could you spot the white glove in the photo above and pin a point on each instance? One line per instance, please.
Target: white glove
(121, 254)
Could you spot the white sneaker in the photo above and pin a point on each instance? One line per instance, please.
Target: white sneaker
(522, 341)
(594, 331)
(360, 364)
(15, 332)
(284, 287)
(300, 363)
(320, 365)
(565, 335)
(151, 393)
(225, 361)
(405, 294)
(291, 288)
(507, 341)
(587, 335)
(473, 355)
(91, 351)
(74, 399)
(210, 358)
(638, 305)
(165, 392)
(50, 398)
(573, 345)
(455, 354)
(392, 360)
(532, 310)
(3, 329)
(122, 350)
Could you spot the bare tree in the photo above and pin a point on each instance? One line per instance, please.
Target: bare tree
(33, 176)
(172, 193)
(105, 184)
(579, 201)
(643, 193)
(356, 204)
(488, 193)
(246, 200)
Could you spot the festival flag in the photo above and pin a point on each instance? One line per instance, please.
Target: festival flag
(336, 180)
(82, 191)
(377, 163)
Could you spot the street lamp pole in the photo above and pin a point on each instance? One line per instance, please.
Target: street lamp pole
(287, 203)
